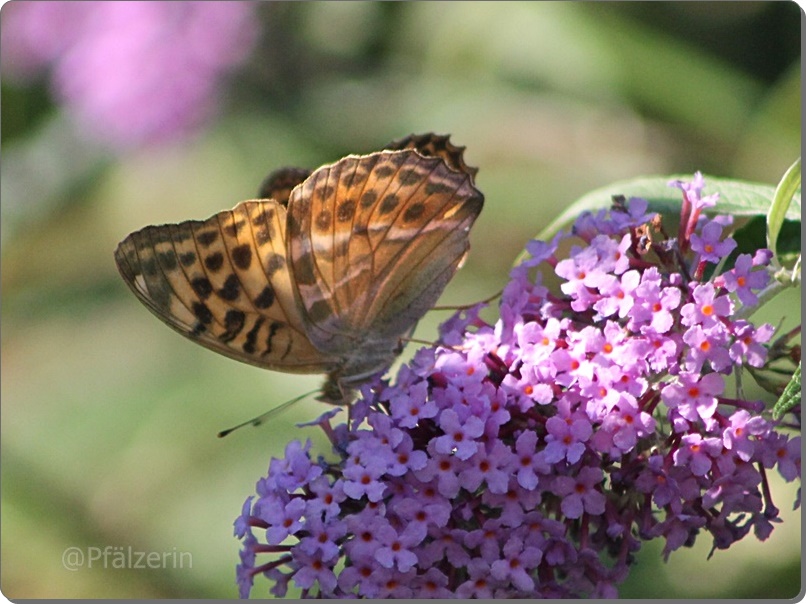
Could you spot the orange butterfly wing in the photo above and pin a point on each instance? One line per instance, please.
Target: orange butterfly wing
(373, 240)
(224, 283)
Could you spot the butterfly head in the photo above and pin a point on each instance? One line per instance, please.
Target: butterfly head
(334, 392)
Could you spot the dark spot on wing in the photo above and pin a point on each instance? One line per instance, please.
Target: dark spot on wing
(214, 261)
(398, 159)
(294, 226)
(263, 234)
(149, 267)
(168, 260)
(357, 178)
(202, 287)
(266, 298)
(251, 336)
(319, 311)
(242, 256)
(273, 329)
(388, 204)
(231, 289)
(274, 262)
(304, 272)
(233, 323)
(345, 211)
(368, 198)
(233, 229)
(202, 313)
(323, 220)
(413, 212)
(437, 187)
(324, 192)
(206, 238)
(262, 217)
(409, 177)
(384, 171)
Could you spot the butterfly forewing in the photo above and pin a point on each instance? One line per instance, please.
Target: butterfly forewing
(224, 283)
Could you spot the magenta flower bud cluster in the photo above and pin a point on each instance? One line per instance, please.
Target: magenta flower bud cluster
(531, 457)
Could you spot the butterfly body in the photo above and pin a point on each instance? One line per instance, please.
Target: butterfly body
(328, 274)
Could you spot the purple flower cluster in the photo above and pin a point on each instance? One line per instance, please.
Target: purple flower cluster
(131, 72)
(530, 458)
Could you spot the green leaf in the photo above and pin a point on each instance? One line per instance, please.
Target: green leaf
(752, 236)
(784, 194)
(790, 398)
(736, 197)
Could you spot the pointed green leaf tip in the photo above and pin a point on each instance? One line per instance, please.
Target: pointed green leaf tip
(784, 193)
(790, 397)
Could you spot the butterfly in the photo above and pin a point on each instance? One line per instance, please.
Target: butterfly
(327, 272)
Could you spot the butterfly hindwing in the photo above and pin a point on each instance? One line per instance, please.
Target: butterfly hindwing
(374, 239)
(423, 246)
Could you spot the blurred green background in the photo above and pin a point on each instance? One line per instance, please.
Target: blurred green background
(109, 418)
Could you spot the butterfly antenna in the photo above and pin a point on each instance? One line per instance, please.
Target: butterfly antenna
(256, 421)
(466, 306)
(429, 343)
(418, 341)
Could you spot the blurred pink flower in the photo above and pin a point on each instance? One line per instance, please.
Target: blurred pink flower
(132, 73)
